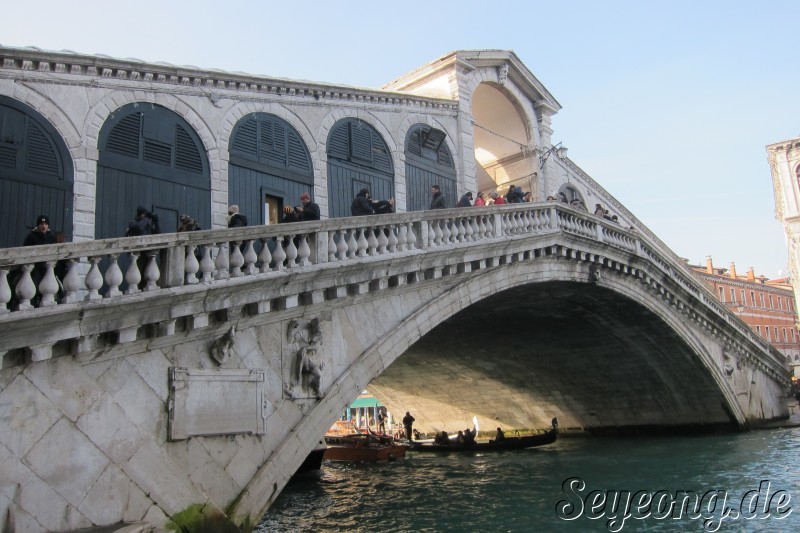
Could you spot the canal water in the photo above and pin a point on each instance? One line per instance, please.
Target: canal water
(730, 482)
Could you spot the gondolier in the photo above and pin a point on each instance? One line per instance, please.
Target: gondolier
(408, 422)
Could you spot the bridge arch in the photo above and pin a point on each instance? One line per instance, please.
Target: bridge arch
(623, 292)
(151, 157)
(429, 161)
(503, 140)
(36, 173)
(358, 157)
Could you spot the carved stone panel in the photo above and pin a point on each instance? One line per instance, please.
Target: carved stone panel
(215, 402)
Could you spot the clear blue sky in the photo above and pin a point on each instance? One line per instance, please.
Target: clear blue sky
(669, 105)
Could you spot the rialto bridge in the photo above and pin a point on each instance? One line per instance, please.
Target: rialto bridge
(168, 376)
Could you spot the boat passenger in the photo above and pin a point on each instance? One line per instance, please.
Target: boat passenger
(460, 438)
(500, 435)
(469, 436)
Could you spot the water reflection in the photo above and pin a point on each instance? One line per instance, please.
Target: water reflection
(519, 491)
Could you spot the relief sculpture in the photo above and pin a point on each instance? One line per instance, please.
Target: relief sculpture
(304, 340)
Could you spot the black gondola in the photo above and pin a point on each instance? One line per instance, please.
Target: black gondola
(508, 443)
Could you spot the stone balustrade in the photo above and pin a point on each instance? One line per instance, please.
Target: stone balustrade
(135, 269)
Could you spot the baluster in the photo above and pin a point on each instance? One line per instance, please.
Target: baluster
(352, 243)
(437, 232)
(402, 238)
(113, 277)
(460, 232)
(279, 256)
(25, 289)
(250, 258)
(481, 227)
(221, 262)
(93, 279)
(207, 264)
(332, 246)
(341, 246)
(411, 239)
(5, 291)
(361, 243)
(71, 282)
(291, 252)
(527, 218)
(445, 224)
(151, 272)
(191, 265)
(489, 220)
(391, 241)
(304, 251)
(132, 276)
(372, 241)
(48, 286)
(453, 227)
(236, 259)
(537, 221)
(474, 229)
(265, 256)
(468, 231)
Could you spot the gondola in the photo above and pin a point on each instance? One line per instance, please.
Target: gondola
(508, 443)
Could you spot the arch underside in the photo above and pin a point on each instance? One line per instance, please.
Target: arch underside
(592, 357)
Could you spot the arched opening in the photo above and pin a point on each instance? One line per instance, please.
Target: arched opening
(357, 157)
(571, 193)
(502, 142)
(36, 174)
(269, 165)
(428, 162)
(150, 157)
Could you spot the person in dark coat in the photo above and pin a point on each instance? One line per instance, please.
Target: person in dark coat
(41, 234)
(290, 214)
(437, 201)
(144, 223)
(408, 422)
(308, 210)
(465, 201)
(361, 204)
(236, 220)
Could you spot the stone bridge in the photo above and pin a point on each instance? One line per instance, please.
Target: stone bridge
(186, 374)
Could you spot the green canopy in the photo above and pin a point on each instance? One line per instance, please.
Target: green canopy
(365, 402)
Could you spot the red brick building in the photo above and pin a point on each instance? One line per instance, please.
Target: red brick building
(765, 305)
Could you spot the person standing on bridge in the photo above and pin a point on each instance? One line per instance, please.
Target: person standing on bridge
(437, 201)
(236, 220)
(408, 422)
(307, 210)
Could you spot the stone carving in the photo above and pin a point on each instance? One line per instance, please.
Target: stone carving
(304, 338)
(221, 348)
(502, 74)
(730, 364)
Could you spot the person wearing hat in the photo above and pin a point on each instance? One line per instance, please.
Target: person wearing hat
(41, 234)
(308, 210)
(144, 223)
(465, 201)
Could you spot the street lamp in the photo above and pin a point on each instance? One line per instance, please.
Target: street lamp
(559, 150)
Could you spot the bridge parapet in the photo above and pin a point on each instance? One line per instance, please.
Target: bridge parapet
(161, 268)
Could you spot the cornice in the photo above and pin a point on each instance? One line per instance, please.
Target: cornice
(70, 65)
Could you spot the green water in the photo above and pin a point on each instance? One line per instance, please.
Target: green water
(524, 490)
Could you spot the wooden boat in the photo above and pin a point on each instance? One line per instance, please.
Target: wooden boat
(362, 448)
(508, 443)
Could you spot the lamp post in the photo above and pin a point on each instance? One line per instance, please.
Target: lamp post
(559, 150)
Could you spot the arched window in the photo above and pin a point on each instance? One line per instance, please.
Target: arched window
(36, 174)
(428, 162)
(571, 193)
(269, 165)
(357, 157)
(150, 157)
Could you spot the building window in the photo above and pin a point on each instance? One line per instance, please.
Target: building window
(733, 295)
(758, 330)
(785, 337)
(721, 294)
(771, 304)
(762, 299)
(744, 300)
(753, 298)
(780, 303)
(767, 335)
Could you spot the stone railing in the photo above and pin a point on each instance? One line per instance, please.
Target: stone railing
(35, 279)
